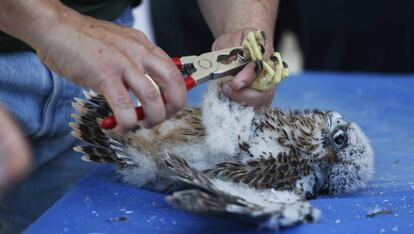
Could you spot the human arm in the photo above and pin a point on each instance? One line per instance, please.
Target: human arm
(105, 57)
(15, 153)
(230, 21)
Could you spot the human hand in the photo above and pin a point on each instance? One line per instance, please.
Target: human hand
(112, 59)
(15, 154)
(237, 89)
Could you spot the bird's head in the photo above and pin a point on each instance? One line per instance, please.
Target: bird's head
(349, 155)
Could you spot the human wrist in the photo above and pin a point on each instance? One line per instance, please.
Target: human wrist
(253, 28)
(224, 17)
(258, 19)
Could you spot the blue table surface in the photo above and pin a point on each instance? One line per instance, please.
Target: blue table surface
(381, 105)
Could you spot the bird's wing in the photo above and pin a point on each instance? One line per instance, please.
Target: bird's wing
(278, 172)
(101, 147)
(269, 208)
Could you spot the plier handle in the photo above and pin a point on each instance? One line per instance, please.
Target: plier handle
(197, 70)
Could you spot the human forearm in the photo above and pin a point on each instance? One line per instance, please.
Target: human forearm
(30, 21)
(99, 55)
(231, 15)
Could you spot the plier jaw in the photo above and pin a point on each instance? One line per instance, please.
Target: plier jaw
(211, 66)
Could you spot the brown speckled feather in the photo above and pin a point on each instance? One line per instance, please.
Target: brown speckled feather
(278, 172)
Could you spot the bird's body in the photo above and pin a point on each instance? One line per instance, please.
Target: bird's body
(262, 154)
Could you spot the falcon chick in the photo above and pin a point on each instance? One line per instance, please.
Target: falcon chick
(227, 158)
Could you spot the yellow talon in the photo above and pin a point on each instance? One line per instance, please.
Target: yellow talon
(274, 70)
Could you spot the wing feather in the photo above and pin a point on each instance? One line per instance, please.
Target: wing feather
(206, 198)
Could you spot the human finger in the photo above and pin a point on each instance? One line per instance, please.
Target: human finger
(249, 97)
(120, 102)
(169, 78)
(149, 96)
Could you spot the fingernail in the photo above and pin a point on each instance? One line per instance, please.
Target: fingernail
(240, 85)
(226, 88)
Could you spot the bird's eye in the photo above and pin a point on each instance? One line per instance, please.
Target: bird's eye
(339, 138)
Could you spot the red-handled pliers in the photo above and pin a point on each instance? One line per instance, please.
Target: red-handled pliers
(197, 70)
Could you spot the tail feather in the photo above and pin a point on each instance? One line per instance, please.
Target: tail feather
(90, 111)
(102, 146)
(90, 135)
(96, 154)
(97, 99)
